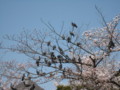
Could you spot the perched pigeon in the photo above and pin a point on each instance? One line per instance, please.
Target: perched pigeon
(111, 44)
(74, 25)
(23, 77)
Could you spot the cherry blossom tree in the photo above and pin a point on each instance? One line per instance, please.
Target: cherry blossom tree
(88, 59)
(11, 73)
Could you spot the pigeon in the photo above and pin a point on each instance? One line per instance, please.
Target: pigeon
(74, 25)
(111, 44)
(38, 73)
(38, 61)
(23, 77)
(60, 66)
(68, 39)
(48, 43)
(54, 47)
(72, 34)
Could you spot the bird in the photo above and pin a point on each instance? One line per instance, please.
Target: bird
(48, 43)
(60, 57)
(72, 34)
(79, 60)
(54, 47)
(45, 61)
(68, 39)
(38, 73)
(74, 25)
(64, 72)
(49, 63)
(33, 87)
(44, 53)
(61, 50)
(111, 44)
(60, 66)
(23, 77)
(38, 61)
(78, 44)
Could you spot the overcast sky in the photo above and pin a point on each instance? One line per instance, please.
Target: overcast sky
(19, 15)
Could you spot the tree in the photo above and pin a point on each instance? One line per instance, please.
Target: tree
(86, 59)
(11, 73)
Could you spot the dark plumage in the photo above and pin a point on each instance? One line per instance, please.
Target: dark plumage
(60, 57)
(79, 60)
(67, 58)
(38, 61)
(48, 43)
(74, 25)
(60, 66)
(72, 34)
(53, 57)
(49, 63)
(68, 39)
(38, 73)
(61, 50)
(78, 44)
(54, 47)
(45, 61)
(111, 44)
(44, 53)
(64, 72)
(23, 77)
(52, 54)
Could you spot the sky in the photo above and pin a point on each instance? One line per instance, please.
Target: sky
(19, 15)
